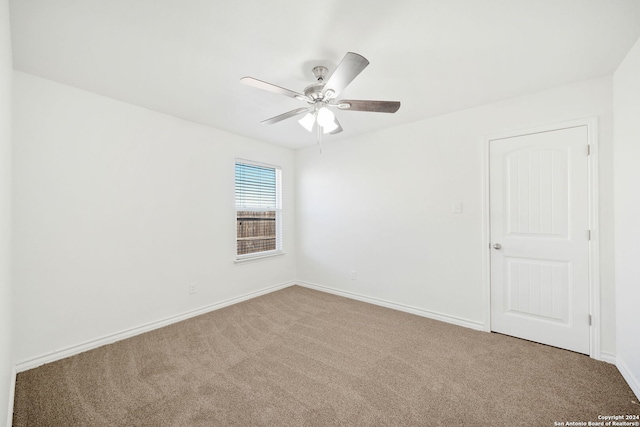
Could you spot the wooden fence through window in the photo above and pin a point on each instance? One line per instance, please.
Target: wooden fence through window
(256, 231)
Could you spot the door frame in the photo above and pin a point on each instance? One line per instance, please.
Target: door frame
(594, 259)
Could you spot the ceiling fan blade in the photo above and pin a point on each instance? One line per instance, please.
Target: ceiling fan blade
(374, 106)
(273, 88)
(348, 69)
(285, 116)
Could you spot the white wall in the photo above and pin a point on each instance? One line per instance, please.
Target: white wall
(6, 345)
(117, 210)
(626, 87)
(380, 205)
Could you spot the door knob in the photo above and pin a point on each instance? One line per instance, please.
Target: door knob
(497, 246)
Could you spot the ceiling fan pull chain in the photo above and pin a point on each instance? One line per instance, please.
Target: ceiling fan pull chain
(319, 136)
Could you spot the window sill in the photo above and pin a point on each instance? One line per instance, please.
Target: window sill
(258, 257)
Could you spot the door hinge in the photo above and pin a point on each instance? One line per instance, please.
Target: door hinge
(588, 150)
(589, 234)
(589, 320)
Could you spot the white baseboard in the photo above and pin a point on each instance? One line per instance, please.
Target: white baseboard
(111, 338)
(607, 357)
(12, 396)
(633, 382)
(479, 326)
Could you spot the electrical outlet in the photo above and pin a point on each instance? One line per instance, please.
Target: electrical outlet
(192, 288)
(353, 275)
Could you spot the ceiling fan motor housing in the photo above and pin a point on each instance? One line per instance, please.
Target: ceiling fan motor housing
(314, 90)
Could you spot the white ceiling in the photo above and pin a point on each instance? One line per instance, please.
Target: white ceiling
(186, 57)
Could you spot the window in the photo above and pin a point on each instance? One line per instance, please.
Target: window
(258, 209)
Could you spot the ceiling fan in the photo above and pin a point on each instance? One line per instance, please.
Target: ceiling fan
(322, 96)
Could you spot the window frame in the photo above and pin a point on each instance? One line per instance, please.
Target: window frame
(239, 258)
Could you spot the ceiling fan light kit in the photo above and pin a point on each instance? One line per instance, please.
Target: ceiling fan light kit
(322, 94)
(323, 117)
(308, 122)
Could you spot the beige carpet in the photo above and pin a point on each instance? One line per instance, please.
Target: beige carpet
(299, 357)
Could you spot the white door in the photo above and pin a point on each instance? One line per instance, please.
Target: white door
(540, 237)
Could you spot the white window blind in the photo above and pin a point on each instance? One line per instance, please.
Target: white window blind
(258, 209)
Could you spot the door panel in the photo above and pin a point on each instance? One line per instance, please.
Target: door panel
(537, 193)
(539, 217)
(538, 288)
